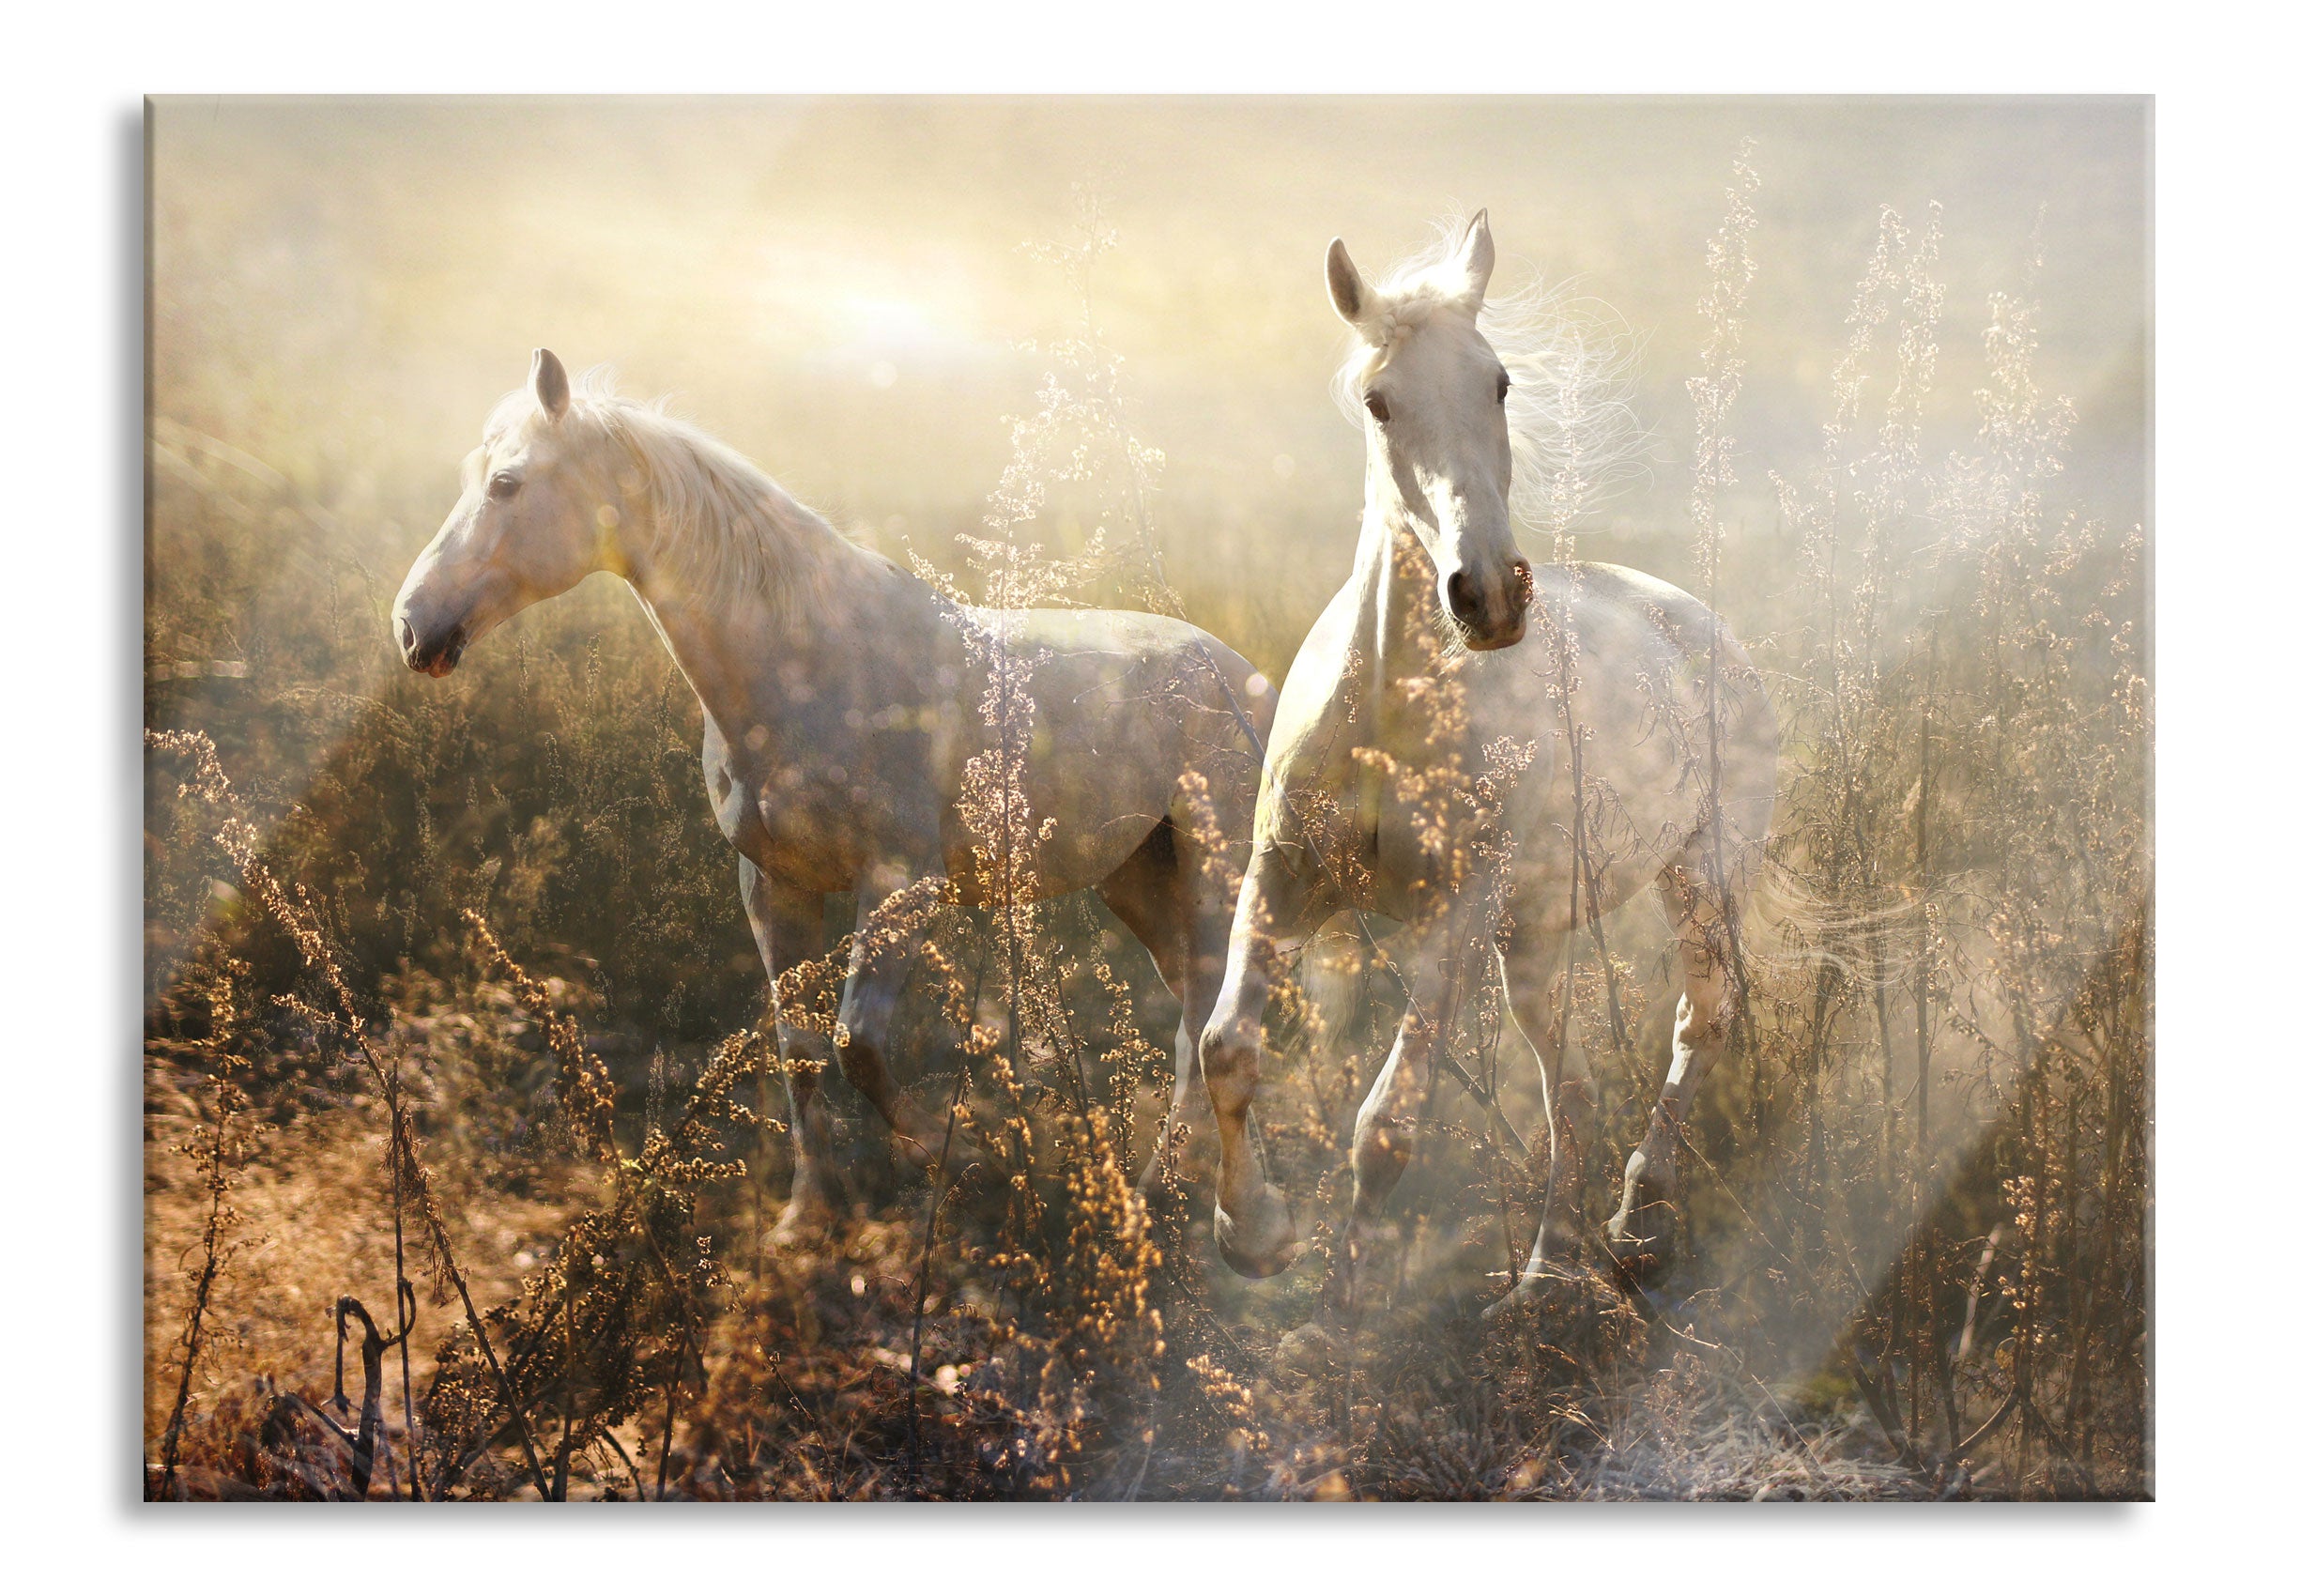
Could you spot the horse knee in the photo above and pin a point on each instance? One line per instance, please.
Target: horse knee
(1640, 1229)
(862, 1059)
(1650, 1176)
(1188, 1150)
(1229, 1059)
(1701, 1026)
(864, 1041)
(1379, 1153)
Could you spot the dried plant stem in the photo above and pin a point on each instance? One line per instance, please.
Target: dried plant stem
(372, 1347)
(212, 1266)
(403, 1295)
(926, 1252)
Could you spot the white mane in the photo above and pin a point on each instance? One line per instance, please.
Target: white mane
(722, 525)
(1575, 440)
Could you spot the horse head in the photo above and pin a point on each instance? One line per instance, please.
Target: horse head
(534, 519)
(1433, 395)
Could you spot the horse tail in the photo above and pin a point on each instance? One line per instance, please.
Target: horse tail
(1788, 929)
(1783, 927)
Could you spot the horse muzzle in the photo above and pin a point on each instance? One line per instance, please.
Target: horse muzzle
(434, 656)
(1510, 633)
(1490, 615)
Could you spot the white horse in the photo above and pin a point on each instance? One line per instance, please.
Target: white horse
(841, 709)
(1421, 767)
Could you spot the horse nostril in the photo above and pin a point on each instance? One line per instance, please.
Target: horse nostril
(407, 638)
(1458, 596)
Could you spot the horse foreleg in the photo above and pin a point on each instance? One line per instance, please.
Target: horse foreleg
(1443, 961)
(1641, 1230)
(1252, 1224)
(884, 946)
(788, 927)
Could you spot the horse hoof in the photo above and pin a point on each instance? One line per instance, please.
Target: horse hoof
(1309, 1350)
(1639, 1242)
(1181, 1160)
(1545, 1280)
(803, 1221)
(927, 1146)
(1259, 1242)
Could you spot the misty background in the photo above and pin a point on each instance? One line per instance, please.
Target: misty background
(837, 286)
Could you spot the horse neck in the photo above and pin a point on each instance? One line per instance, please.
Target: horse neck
(1398, 641)
(720, 627)
(1398, 627)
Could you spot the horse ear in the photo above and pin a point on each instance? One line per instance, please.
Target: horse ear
(1476, 259)
(1343, 283)
(548, 380)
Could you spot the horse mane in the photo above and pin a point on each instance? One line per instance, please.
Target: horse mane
(723, 528)
(1574, 436)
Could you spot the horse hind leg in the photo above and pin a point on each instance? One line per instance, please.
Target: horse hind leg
(1445, 966)
(1382, 1146)
(1642, 1230)
(1143, 893)
(1529, 972)
(885, 951)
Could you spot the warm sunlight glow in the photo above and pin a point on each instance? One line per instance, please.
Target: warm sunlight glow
(893, 324)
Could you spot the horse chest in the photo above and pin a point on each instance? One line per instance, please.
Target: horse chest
(792, 832)
(1458, 784)
(818, 814)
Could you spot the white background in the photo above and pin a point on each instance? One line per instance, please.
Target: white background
(71, 388)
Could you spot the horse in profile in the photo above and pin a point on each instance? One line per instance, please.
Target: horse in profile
(842, 712)
(1493, 753)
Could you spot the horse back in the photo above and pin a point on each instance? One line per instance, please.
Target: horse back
(1646, 687)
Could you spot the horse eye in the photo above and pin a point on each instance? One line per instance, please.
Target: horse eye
(1502, 392)
(503, 485)
(1379, 406)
